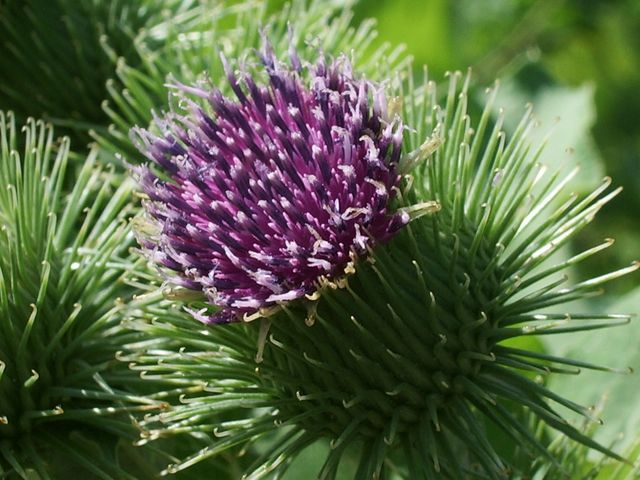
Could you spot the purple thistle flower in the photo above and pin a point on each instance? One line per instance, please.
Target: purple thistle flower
(262, 199)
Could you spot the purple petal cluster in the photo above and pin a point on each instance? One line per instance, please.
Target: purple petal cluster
(259, 198)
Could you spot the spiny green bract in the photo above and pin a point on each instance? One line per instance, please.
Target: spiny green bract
(58, 54)
(408, 359)
(65, 402)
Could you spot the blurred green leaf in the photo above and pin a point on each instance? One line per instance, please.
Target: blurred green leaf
(565, 116)
(616, 347)
(309, 462)
(424, 26)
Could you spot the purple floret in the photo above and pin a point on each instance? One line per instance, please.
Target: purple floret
(275, 190)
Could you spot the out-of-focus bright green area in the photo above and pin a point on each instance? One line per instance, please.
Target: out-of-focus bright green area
(578, 60)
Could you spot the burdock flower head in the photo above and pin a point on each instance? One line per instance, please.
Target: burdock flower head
(410, 366)
(274, 194)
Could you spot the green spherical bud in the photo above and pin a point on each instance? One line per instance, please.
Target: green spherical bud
(65, 402)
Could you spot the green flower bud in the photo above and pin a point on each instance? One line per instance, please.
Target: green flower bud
(65, 402)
